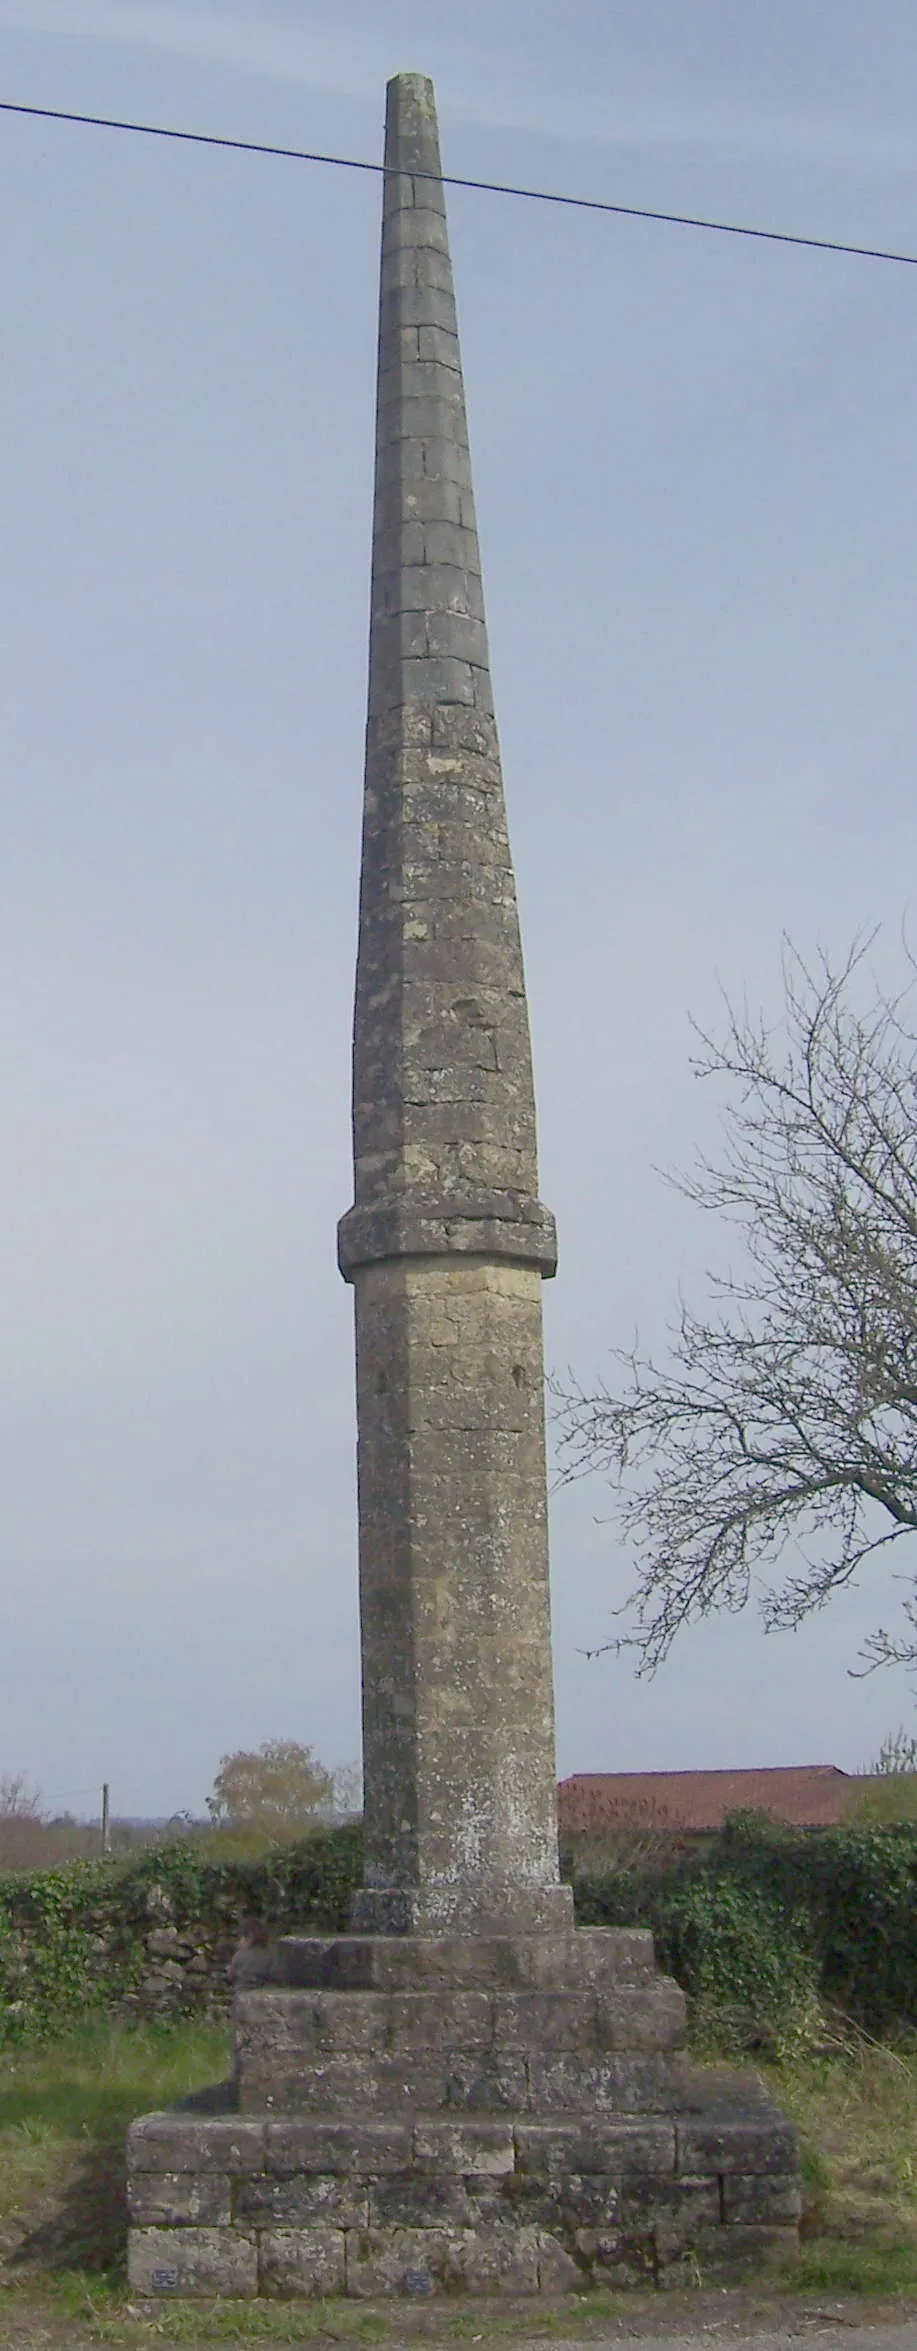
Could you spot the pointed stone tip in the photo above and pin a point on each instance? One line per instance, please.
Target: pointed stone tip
(411, 134)
(417, 87)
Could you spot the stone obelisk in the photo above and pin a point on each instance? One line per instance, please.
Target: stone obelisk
(465, 2093)
(446, 1244)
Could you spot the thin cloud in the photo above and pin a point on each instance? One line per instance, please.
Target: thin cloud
(207, 36)
(631, 119)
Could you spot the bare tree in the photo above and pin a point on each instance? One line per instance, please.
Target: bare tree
(22, 1831)
(897, 1756)
(18, 1800)
(776, 1447)
(347, 1789)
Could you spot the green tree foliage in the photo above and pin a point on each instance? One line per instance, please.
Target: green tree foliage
(276, 1793)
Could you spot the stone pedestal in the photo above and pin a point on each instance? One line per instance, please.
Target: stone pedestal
(501, 2114)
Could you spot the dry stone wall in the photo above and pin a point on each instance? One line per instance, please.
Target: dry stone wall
(157, 1936)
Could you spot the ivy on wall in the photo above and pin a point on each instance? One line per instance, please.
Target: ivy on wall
(757, 1929)
(768, 1918)
(91, 1936)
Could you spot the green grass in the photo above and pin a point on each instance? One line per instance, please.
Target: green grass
(104, 2315)
(835, 2267)
(98, 2078)
(855, 2105)
(64, 2113)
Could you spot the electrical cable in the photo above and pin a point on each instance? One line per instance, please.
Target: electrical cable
(684, 220)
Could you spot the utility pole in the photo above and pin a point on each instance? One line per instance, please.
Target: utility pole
(106, 1838)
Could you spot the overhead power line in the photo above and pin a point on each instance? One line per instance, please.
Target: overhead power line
(682, 220)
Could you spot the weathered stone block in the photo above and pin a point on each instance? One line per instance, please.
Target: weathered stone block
(416, 224)
(546, 2020)
(435, 420)
(369, 2085)
(642, 2017)
(623, 2083)
(773, 2198)
(635, 2270)
(426, 587)
(179, 2199)
(733, 2145)
(324, 2022)
(436, 456)
(501, 2261)
(191, 2261)
(443, 679)
(614, 2257)
(345, 2146)
(426, 307)
(402, 2261)
(484, 2148)
(679, 2212)
(303, 2261)
(494, 2084)
(459, 633)
(439, 343)
(413, 501)
(626, 2148)
(366, 2025)
(558, 2272)
(566, 2201)
(302, 2202)
(448, 2019)
(609, 1957)
(419, 2199)
(175, 2142)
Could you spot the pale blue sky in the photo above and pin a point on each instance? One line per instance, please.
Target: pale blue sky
(695, 476)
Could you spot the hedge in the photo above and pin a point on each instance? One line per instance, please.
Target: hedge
(75, 1941)
(756, 1928)
(839, 1904)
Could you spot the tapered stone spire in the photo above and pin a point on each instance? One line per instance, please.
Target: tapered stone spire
(446, 1243)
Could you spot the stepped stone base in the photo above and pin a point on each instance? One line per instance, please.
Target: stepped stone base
(466, 2115)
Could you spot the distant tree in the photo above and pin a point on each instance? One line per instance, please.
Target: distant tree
(18, 1801)
(347, 1788)
(280, 1791)
(21, 1828)
(888, 1791)
(898, 1753)
(774, 1447)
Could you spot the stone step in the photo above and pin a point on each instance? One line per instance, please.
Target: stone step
(588, 1956)
(320, 2051)
(239, 2206)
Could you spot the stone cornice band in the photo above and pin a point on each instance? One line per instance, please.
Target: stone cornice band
(501, 1225)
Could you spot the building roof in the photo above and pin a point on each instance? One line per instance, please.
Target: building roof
(806, 1795)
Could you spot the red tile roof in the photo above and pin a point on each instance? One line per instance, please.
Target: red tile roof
(807, 1795)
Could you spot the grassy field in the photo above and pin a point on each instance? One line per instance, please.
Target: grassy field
(857, 2115)
(64, 2112)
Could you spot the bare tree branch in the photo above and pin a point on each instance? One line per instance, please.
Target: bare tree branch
(776, 1446)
